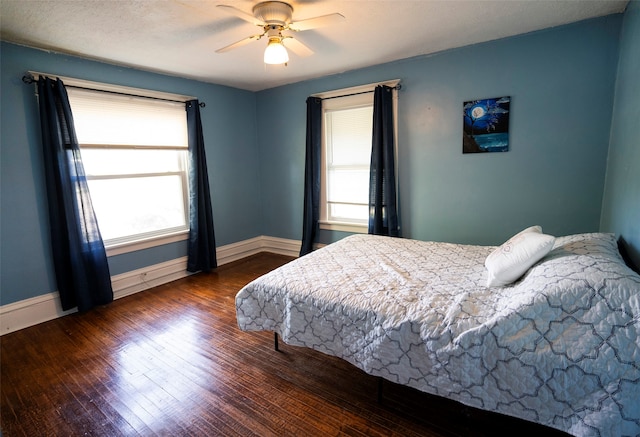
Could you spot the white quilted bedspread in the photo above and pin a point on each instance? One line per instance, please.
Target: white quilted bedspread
(560, 347)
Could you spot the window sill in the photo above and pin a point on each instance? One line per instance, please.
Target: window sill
(146, 243)
(344, 227)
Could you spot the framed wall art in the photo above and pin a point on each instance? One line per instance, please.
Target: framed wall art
(486, 125)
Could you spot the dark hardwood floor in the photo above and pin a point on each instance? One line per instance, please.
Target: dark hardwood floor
(171, 361)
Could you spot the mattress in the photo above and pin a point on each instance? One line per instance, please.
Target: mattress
(559, 347)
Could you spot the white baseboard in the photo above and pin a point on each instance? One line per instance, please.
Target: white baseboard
(39, 309)
(242, 249)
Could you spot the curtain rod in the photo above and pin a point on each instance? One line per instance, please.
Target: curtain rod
(397, 88)
(29, 79)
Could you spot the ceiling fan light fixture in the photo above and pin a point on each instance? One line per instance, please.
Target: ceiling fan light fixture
(275, 53)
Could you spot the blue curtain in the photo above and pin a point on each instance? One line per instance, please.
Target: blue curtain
(79, 257)
(311, 213)
(202, 241)
(383, 212)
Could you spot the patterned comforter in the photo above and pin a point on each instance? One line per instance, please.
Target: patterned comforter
(560, 347)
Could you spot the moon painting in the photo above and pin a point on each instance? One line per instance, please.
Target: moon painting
(486, 125)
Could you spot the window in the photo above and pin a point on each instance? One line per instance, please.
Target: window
(348, 124)
(346, 157)
(134, 152)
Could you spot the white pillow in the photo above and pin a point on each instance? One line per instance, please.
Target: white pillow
(511, 260)
(535, 228)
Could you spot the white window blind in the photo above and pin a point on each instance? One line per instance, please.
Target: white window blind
(104, 118)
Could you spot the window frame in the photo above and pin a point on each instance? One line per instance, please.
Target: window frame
(347, 98)
(148, 240)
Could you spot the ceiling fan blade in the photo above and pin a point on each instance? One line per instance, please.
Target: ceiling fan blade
(241, 14)
(313, 23)
(239, 43)
(296, 46)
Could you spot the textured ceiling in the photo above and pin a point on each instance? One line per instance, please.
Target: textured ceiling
(180, 37)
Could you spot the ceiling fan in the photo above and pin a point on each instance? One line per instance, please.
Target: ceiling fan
(275, 17)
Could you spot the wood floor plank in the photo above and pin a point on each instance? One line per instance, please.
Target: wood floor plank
(172, 361)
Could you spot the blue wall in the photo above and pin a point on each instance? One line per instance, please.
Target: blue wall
(561, 83)
(621, 207)
(229, 129)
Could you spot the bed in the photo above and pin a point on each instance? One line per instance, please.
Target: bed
(559, 345)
